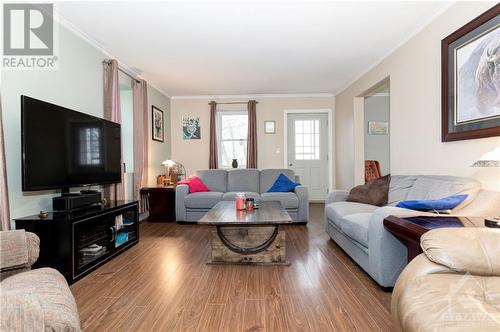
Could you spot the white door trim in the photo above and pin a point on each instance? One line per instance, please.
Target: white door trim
(331, 145)
(359, 140)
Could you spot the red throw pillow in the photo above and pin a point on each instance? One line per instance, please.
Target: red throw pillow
(195, 184)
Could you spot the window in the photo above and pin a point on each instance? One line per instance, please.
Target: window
(307, 140)
(232, 130)
(90, 146)
(127, 122)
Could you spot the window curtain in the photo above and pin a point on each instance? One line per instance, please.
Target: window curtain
(213, 161)
(4, 192)
(140, 109)
(112, 112)
(252, 135)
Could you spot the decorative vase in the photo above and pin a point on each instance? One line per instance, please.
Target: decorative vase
(235, 163)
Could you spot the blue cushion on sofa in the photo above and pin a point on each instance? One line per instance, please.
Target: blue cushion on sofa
(282, 185)
(446, 203)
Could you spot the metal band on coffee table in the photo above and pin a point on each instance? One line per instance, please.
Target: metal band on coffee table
(246, 251)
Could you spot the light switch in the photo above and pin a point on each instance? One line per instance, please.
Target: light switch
(278, 150)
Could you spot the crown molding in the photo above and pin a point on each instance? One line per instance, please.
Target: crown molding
(420, 28)
(92, 42)
(379, 94)
(257, 96)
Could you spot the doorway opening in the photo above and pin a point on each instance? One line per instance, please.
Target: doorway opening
(372, 134)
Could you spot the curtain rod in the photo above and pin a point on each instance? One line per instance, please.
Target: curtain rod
(108, 61)
(233, 102)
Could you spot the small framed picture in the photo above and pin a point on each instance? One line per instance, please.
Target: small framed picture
(378, 128)
(270, 127)
(191, 128)
(157, 124)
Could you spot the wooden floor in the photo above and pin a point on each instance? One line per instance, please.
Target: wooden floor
(163, 284)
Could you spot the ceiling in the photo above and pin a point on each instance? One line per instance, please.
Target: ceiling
(241, 47)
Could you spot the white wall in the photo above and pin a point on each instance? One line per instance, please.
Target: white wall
(415, 109)
(157, 151)
(194, 153)
(76, 84)
(377, 147)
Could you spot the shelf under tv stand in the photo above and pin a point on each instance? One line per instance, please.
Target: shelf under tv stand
(63, 236)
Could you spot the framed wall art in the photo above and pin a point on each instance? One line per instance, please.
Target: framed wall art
(470, 79)
(157, 124)
(270, 127)
(191, 128)
(378, 128)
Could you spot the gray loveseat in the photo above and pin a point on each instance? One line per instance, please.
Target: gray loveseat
(224, 184)
(358, 228)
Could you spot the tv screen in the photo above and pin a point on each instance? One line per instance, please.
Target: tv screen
(62, 148)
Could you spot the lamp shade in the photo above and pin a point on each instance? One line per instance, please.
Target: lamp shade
(489, 159)
(168, 163)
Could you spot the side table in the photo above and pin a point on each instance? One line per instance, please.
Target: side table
(160, 201)
(410, 229)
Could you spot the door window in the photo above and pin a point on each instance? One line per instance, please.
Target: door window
(307, 142)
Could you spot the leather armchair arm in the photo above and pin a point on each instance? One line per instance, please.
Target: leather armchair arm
(181, 191)
(464, 250)
(419, 266)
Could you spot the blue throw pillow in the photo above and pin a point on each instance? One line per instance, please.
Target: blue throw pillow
(283, 185)
(446, 203)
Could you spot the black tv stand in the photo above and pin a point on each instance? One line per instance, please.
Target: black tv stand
(66, 238)
(68, 194)
(88, 191)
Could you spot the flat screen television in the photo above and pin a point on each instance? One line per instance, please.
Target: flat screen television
(63, 148)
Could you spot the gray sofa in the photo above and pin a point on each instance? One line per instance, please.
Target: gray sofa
(358, 228)
(224, 184)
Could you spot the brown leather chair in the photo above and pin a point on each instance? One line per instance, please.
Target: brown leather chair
(372, 170)
(454, 285)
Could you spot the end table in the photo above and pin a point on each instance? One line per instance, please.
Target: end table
(160, 202)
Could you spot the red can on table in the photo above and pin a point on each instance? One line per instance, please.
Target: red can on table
(240, 201)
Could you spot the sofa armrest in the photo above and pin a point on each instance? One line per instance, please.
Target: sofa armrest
(181, 191)
(18, 250)
(336, 196)
(303, 210)
(388, 255)
(21, 311)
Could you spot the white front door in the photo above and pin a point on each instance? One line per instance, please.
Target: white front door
(307, 151)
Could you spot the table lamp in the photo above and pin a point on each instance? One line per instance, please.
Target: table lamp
(490, 159)
(168, 164)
